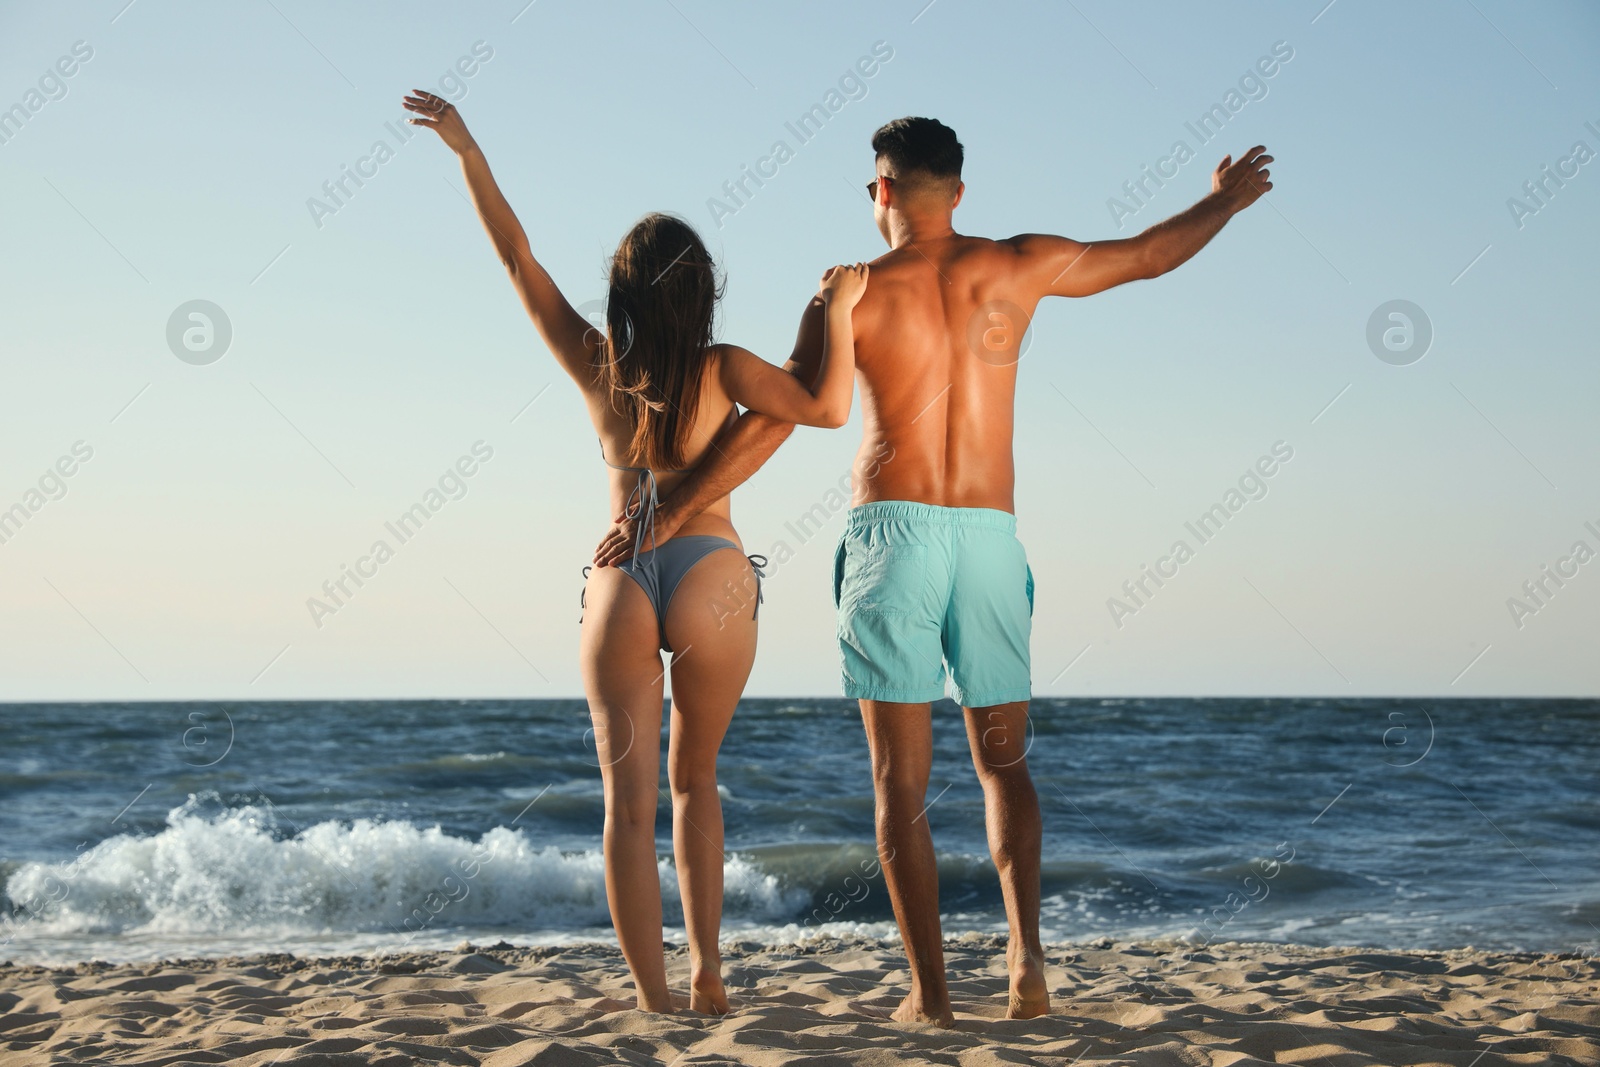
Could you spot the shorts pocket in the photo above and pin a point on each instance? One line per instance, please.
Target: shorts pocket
(884, 579)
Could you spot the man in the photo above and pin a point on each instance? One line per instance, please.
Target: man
(929, 572)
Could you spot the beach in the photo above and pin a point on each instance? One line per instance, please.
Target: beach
(825, 1001)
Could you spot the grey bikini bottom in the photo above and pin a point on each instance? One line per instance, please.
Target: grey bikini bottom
(660, 570)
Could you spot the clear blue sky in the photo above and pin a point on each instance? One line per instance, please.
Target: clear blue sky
(373, 346)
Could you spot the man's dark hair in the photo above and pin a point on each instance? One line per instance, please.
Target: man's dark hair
(913, 145)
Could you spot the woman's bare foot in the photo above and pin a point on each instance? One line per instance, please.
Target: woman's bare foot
(706, 994)
(660, 1003)
(1030, 993)
(913, 1010)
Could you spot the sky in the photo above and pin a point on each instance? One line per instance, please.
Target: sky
(1428, 457)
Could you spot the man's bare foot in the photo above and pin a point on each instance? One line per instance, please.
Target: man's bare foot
(706, 994)
(1030, 993)
(913, 1010)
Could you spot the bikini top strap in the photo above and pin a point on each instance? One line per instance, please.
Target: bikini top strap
(620, 467)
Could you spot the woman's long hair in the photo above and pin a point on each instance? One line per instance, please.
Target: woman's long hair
(659, 310)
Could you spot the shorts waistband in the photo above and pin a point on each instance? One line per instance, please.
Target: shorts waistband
(881, 510)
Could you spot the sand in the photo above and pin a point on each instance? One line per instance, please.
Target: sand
(823, 1003)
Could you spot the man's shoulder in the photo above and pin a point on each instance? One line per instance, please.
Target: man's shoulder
(1025, 244)
(994, 259)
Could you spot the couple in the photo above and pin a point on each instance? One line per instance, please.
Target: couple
(929, 573)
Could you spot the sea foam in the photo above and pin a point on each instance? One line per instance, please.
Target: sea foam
(236, 870)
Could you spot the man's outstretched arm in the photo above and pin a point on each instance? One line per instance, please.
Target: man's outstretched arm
(1065, 267)
(738, 452)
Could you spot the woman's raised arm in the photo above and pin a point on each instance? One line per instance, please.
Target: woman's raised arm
(571, 338)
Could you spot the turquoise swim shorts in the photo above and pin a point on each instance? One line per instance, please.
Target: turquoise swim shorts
(918, 587)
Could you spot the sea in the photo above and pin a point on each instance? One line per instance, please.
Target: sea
(142, 831)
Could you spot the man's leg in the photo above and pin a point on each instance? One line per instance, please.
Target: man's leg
(999, 739)
(901, 739)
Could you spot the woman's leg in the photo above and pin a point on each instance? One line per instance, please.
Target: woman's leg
(621, 657)
(710, 625)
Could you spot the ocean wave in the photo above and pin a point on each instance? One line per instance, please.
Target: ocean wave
(232, 871)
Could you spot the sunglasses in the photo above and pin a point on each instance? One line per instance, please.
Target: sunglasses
(872, 188)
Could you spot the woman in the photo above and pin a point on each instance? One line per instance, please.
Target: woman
(658, 391)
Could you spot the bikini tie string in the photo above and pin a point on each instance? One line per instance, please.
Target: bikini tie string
(642, 504)
(758, 563)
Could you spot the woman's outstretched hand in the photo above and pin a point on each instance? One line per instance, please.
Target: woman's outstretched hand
(441, 117)
(844, 284)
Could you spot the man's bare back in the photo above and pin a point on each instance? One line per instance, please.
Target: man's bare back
(937, 337)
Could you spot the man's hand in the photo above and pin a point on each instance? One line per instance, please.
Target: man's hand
(1241, 184)
(441, 117)
(617, 545)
